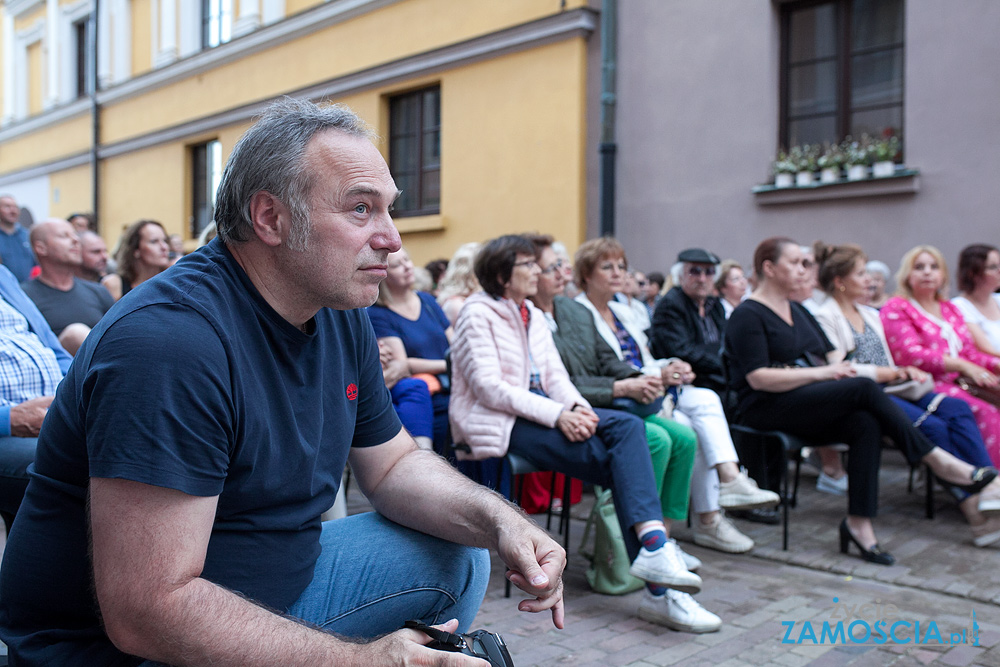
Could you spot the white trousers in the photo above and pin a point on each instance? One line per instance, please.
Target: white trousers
(701, 409)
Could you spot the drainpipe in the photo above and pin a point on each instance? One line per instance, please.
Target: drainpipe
(608, 148)
(95, 118)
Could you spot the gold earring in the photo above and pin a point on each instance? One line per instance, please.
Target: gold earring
(843, 289)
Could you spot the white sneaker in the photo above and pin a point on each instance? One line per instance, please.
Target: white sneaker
(722, 536)
(678, 611)
(664, 567)
(827, 484)
(692, 563)
(743, 494)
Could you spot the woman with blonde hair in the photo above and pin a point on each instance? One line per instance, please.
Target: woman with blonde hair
(855, 331)
(925, 330)
(459, 281)
(142, 254)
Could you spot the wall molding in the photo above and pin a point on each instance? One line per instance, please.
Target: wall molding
(77, 160)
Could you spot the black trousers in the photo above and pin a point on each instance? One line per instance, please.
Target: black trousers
(854, 411)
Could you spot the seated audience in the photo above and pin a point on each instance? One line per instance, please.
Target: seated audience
(93, 257)
(778, 366)
(15, 247)
(855, 330)
(629, 295)
(689, 320)
(511, 392)
(571, 290)
(417, 336)
(731, 284)
(607, 382)
(979, 279)
(71, 306)
(717, 481)
(459, 281)
(143, 254)
(927, 331)
(878, 292)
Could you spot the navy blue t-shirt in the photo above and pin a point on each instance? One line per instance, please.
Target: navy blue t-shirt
(193, 382)
(423, 338)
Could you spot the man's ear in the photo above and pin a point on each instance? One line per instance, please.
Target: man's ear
(271, 218)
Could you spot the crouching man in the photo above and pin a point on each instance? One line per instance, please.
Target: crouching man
(204, 427)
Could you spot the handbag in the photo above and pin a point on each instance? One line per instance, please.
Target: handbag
(641, 410)
(911, 390)
(609, 561)
(987, 394)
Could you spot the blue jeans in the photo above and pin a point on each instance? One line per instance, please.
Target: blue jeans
(373, 575)
(616, 457)
(952, 427)
(16, 454)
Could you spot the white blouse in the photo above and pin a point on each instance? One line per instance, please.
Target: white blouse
(972, 315)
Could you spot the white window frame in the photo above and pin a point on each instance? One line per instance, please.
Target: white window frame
(68, 16)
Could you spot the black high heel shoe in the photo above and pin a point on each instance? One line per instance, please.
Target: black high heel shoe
(873, 555)
(979, 480)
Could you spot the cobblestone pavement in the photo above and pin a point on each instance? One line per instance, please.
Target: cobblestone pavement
(939, 579)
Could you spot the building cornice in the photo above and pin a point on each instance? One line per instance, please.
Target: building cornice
(292, 28)
(574, 23)
(19, 7)
(41, 121)
(70, 162)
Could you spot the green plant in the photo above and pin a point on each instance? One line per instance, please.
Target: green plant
(885, 149)
(804, 157)
(856, 152)
(833, 157)
(783, 164)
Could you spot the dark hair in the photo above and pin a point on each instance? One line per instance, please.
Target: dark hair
(130, 243)
(836, 262)
(972, 265)
(495, 262)
(656, 277)
(769, 250)
(541, 242)
(89, 217)
(436, 267)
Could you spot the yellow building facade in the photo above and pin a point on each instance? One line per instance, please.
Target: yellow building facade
(499, 90)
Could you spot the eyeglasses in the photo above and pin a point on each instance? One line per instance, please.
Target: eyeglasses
(642, 283)
(698, 271)
(528, 263)
(552, 267)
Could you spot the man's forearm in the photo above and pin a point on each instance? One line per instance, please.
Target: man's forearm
(204, 624)
(423, 492)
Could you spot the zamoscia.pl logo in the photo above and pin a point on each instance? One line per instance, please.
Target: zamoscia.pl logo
(876, 623)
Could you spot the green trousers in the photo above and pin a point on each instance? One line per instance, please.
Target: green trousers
(672, 447)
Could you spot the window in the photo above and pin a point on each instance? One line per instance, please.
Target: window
(206, 171)
(84, 79)
(216, 22)
(415, 151)
(842, 70)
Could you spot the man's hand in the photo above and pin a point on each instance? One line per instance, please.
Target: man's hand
(676, 373)
(408, 647)
(535, 564)
(26, 418)
(643, 389)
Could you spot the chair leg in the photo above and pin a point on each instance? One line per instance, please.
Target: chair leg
(552, 495)
(564, 517)
(929, 491)
(785, 499)
(798, 471)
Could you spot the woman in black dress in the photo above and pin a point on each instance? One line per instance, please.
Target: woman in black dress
(778, 366)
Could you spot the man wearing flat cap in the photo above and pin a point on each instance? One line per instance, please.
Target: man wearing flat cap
(689, 321)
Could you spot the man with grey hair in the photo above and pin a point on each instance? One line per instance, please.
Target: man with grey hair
(94, 257)
(203, 430)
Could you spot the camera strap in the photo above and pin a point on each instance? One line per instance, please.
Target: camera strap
(440, 635)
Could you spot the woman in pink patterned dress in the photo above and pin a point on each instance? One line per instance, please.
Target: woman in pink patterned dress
(926, 331)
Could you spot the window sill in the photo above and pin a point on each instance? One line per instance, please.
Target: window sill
(420, 223)
(903, 182)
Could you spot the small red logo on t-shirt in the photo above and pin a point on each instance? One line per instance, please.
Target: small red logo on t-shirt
(352, 392)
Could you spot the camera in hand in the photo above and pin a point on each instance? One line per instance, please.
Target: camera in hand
(478, 643)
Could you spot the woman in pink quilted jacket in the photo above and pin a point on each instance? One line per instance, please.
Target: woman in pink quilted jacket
(511, 392)
(925, 330)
